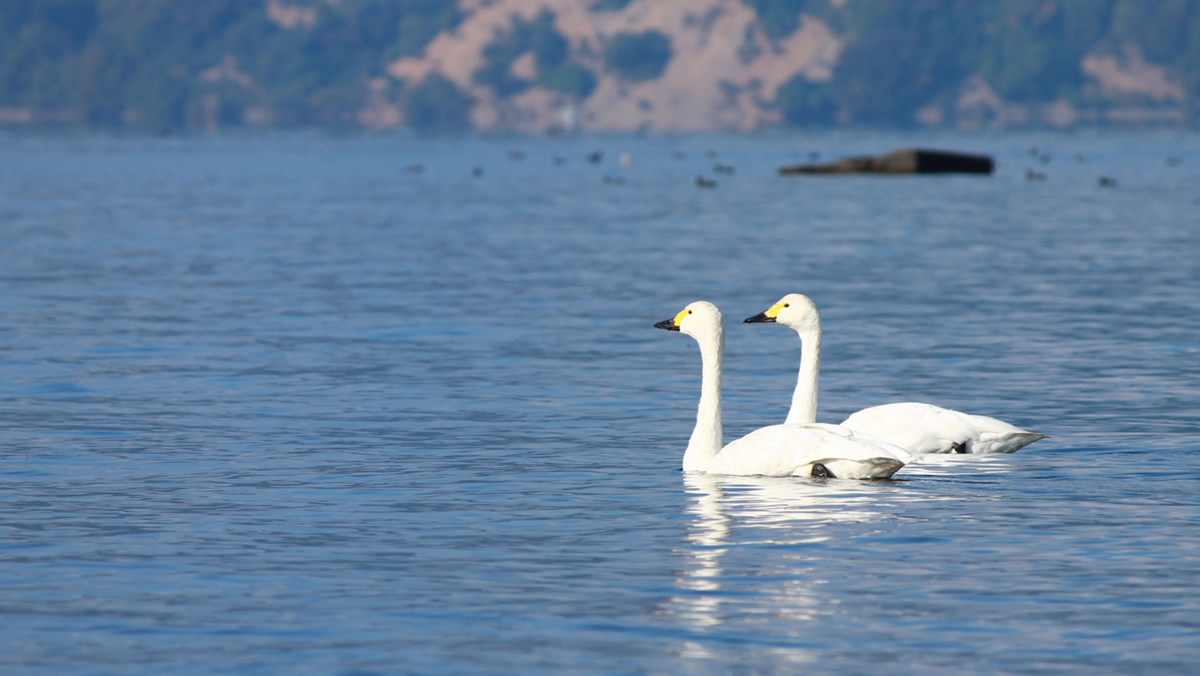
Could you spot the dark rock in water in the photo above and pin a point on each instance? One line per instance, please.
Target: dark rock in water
(909, 161)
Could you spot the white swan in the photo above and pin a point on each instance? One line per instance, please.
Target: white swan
(919, 428)
(778, 450)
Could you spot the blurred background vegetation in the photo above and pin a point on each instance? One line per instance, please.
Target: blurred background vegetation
(920, 51)
(550, 51)
(196, 63)
(638, 56)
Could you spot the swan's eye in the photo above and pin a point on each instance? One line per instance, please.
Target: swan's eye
(689, 312)
(787, 304)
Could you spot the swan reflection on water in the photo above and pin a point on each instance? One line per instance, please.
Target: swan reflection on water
(731, 512)
(766, 511)
(775, 518)
(946, 465)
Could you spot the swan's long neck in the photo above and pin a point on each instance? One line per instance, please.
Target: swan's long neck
(804, 399)
(707, 439)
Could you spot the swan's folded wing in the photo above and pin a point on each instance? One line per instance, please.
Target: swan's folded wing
(919, 428)
(926, 428)
(895, 450)
(792, 450)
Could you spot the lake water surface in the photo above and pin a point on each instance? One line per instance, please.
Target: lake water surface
(286, 405)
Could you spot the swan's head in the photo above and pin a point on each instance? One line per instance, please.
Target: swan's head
(696, 320)
(794, 311)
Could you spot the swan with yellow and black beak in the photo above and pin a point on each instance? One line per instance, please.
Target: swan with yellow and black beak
(919, 428)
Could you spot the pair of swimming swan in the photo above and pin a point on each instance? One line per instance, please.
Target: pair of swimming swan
(871, 444)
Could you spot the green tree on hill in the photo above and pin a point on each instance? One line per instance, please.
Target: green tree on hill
(436, 104)
(638, 56)
(551, 52)
(806, 104)
(778, 18)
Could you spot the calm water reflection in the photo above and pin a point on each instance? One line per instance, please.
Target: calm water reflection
(276, 405)
(768, 512)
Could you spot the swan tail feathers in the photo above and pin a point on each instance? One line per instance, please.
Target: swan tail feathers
(1008, 443)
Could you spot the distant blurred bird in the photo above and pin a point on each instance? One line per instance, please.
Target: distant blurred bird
(516, 155)
(723, 168)
(613, 180)
(1031, 175)
(1106, 182)
(414, 169)
(595, 156)
(702, 182)
(477, 172)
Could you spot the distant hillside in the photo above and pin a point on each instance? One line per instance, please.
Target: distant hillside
(534, 65)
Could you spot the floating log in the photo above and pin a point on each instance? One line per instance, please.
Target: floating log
(908, 161)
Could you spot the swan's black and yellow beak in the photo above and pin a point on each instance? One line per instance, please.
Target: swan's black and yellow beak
(767, 317)
(673, 323)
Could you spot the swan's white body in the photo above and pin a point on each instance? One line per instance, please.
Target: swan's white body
(918, 428)
(925, 428)
(793, 450)
(778, 450)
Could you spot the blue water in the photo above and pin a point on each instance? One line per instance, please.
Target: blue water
(280, 405)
